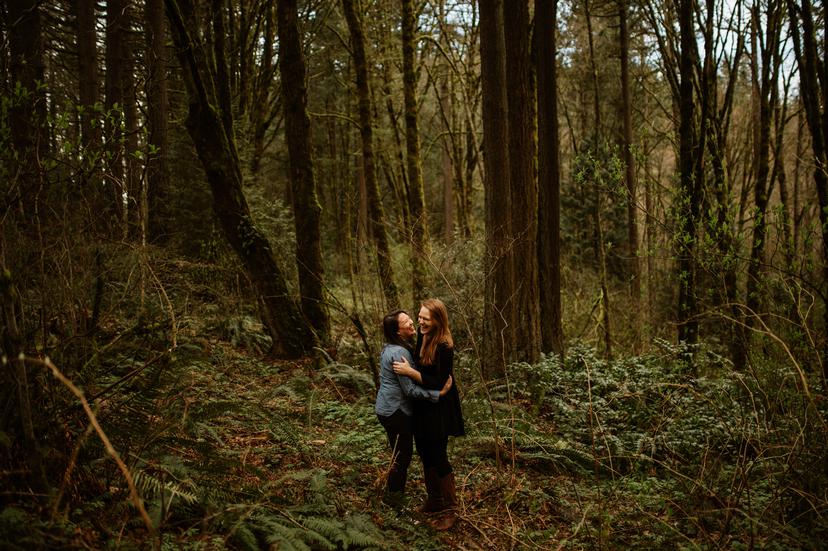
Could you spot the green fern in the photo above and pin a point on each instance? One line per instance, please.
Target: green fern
(361, 532)
(149, 486)
(245, 538)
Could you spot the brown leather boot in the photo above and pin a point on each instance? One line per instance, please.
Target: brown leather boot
(434, 501)
(448, 491)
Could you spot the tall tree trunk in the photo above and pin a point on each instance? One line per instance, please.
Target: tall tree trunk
(549, 183)
(599, 147)
(27, 115)
(813, 71)
(498, 308)
(306, 208)
(262, 111)
(133, 181)
(292, 335)
(688, 196)
(629, 177)
(376, 212)
(764, 83)
(798, 165)
(450, 163)
(157, 184)
(524, 190)
(115, 184)
(88, 76)
(416, 195)
(722, 224)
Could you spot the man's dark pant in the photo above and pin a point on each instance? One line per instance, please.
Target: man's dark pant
(398, 426)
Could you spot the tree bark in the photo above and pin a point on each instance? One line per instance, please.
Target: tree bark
(549, 184)
(88, 75)
(416, 194)
(157, 187)
(498, 308)
(629, 178)
(813, 71)
(27, 120)
(765, 85)
(292, 336)
(115, 184)
(524, 189)
(376, 215)
(688, 196)
(266, 106)
(27, 114)
(306, 208)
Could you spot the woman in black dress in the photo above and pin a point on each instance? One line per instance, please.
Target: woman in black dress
(435, 422)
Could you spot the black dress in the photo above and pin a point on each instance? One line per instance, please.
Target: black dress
(445, 418)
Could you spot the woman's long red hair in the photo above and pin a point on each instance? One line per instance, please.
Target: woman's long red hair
(440, 332)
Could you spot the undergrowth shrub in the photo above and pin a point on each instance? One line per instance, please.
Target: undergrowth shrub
(718, 455)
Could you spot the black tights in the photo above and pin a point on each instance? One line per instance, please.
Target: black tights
(398, 427)
(434, 453)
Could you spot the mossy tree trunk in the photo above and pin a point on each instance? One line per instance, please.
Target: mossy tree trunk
(689, 186)
(213, 138)
(416, 194)
(306, 208)
(376, 214)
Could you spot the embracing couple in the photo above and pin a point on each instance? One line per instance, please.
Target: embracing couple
(418, 401)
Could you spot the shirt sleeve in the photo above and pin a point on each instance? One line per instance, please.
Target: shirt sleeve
(412, 389)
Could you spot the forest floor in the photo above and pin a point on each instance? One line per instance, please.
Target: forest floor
(230, 450)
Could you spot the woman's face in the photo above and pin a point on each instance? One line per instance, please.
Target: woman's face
(424, 320)
(406, 326)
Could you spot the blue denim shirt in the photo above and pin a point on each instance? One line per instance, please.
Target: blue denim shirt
(396, 391)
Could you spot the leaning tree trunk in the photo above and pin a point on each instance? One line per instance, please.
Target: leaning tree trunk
(292, 336)
(416, 195)
(376, 214)
(306, 208)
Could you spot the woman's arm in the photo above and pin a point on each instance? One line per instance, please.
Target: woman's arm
(403, 368)
(408, 387)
